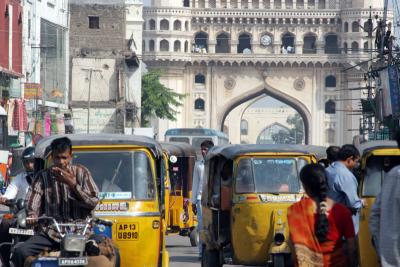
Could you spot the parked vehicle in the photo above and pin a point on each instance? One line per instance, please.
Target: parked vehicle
(180, 159)
(377, 159)
(246, 193)
(128, 171)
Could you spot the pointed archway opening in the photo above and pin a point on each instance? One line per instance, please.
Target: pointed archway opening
(269, 116)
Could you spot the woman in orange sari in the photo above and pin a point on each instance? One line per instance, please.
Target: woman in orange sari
(318, 226)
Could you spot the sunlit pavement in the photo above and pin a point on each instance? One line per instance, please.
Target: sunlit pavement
(181, 254)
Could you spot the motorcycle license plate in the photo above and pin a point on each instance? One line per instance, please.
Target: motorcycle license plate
(72, 261)
(17, 231)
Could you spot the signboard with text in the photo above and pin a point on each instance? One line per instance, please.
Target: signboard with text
(32, 91)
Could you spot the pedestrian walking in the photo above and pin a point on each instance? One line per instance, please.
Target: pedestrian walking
(321, 230)
(384, 222)
(342, 184)
(197, 187)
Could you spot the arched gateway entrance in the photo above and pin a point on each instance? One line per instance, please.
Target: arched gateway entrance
(268, 91)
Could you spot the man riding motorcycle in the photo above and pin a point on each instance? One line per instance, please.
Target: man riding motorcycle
(17, 189)
(65, 192)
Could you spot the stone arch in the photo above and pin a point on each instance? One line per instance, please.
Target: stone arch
(164, 25)
(310, 43)
(152, 24)
(223, 44)
(272, 92)
(177, 25)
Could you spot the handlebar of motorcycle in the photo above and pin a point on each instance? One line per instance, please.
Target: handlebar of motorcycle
(10, 202)
(103, 222)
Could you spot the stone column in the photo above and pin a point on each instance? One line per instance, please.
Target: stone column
(272, 4)
(294, 4)
(206, 4)
(196, 4)
(239, 4)
(299, 47)
(249, 4)
(283, 4)
(305, 4)
(228, 3)
(320, 47)
(234, 44)
(211, 46)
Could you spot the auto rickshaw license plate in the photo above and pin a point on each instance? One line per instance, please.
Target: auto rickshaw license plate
(72, 261)
(17, 231)
(127, 231)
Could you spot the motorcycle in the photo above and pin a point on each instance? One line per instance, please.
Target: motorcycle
(17, 229)
(76, 249)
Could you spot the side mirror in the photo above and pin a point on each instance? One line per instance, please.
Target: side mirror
(20, 204)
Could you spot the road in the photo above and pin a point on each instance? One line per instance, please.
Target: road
(181, 254)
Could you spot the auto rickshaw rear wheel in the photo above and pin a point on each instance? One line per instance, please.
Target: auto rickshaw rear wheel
(194, 237)
(210, 258)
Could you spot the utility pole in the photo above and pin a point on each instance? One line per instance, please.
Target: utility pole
(90, 70)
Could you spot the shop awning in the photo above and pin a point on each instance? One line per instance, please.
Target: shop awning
(11, 73)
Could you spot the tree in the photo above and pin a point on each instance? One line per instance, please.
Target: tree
(158, 100)
(296, 131)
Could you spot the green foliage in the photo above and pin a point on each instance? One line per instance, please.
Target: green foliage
(158, 100)
(295, 134)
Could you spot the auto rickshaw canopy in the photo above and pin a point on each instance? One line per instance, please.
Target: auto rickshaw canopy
(232, 151)
(371, 146)
(43, 147)
(179, 149)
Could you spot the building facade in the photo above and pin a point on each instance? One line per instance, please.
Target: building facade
(225, 53)
(105, 57)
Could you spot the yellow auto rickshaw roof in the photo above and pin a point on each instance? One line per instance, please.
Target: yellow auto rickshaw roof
(179, 149)
(43, 147)
(233, 151)
(369, 147)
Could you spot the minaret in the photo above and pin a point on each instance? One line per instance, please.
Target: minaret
(167, 3)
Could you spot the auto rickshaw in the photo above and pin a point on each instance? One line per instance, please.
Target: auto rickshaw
(246, 193)
(377, 159)
(129, 172)
(180, 158)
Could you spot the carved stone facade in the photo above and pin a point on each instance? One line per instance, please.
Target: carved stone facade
(229, 52)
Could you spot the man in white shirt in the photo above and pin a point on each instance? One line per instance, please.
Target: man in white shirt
(17, 189)
(197, 186)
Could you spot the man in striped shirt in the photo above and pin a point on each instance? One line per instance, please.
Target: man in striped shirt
(65, 192)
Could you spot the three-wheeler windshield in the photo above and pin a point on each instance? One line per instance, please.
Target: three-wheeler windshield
(268, 175)
(119, 175)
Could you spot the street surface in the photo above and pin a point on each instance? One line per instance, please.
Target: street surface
(181, 254)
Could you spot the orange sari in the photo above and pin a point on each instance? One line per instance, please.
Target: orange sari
(309, 251)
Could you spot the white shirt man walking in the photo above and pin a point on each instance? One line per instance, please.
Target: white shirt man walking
(197, 187)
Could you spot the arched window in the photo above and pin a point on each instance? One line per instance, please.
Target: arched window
(346, 27)
(177, 46)
(245, 4)
(164, 25)
(330, 136)
(354, 47)
(186, 25)
(331, 44)
(300, 4)
(368, 25)
(330, 107)
(151, 46)
(366, 47)
(244, 127)
(143, 46)
(202, 4)
(186, 3)
(224, 4)
(330, 81)
(234, 3)
(289, 4)
(152, 24)
(144, 25)
(309, 46)
(287, 46)
(164, 46)
(244, 45)
(321, 4)
(256, 4)
(200, 79)
(274, 134)
(177, 25)
(355, 27)
(345, 47)
(201, 42)
(311, 4)
(212, 4)
(199, 104)
(223, 43)
(186, 46)
(278, 4)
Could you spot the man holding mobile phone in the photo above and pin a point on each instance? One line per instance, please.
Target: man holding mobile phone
(64, 191)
